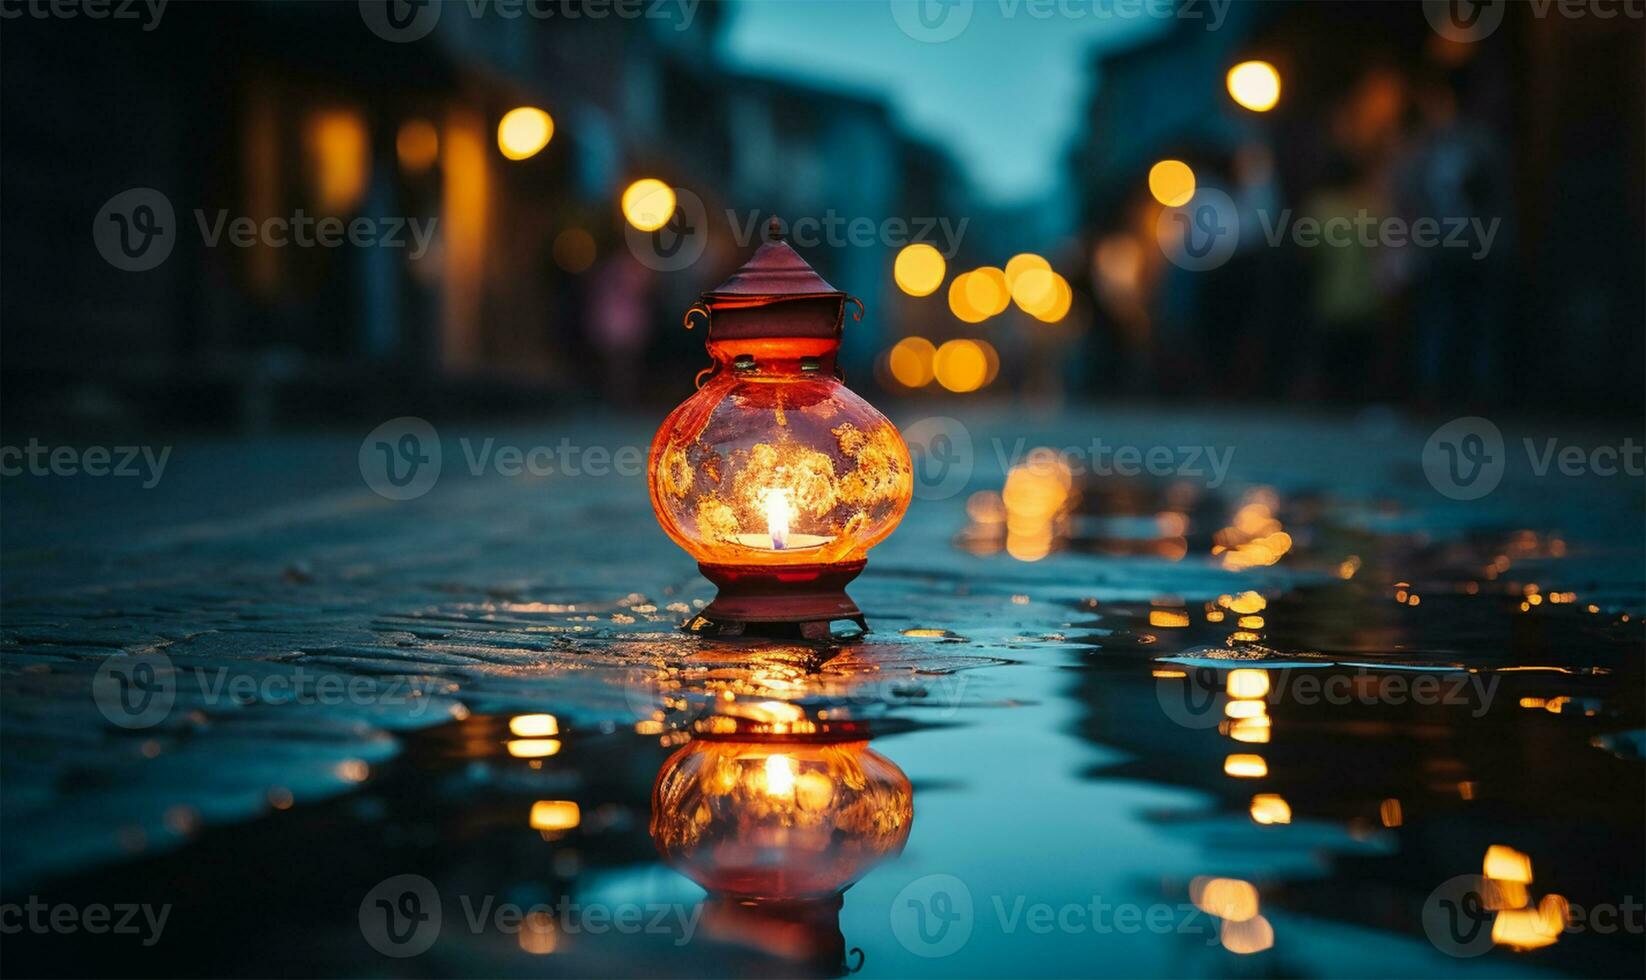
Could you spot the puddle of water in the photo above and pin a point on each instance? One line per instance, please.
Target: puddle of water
(1120, 728)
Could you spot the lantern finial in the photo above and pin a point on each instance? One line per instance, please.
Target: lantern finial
(774, 229)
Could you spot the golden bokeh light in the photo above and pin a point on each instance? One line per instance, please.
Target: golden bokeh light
(910, 362)
(1245, 766)
(1171, 182)
(1168, 618)
(534, 726)
(524, 131)
(555, 815)
(533, 748)
(987, 291)
(417, 144)
(1252, 935)
(1271, 808)
(1248, 682)
(339, 148)
(960, 365)
(1021, 263)
(919, 269)
(1255, 85)
(1226, 898)
(959, 303)
(648, 203)
(1504, 863)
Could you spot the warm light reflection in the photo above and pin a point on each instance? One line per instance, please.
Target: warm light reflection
(648, 204)
(1171, 182)
(1255, 85)
(1523, 929)
(534, 726)
(779, 820)
(555, 815)
(522, 132)
(339, 149)
(1245, 766)
(919, 269)
(417, 144)
(1504, 863)
(1270, 808)
(1390, 813)
(1168, 618)
(1245, 709)
(1248, 682)
(1253, 730)
(1226, 898)
(533, 748)
(1253, 935)
(538, 934)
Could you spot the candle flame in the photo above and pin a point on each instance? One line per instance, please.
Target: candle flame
(779, 775)
(779, 509)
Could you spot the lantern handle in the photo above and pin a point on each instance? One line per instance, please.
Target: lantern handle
(699, 309)
(703, 376)
(858, 316)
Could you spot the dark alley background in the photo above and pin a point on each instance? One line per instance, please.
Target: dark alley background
(491, 285)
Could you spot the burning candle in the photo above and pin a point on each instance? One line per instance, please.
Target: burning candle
(776, 504)
(778, 510)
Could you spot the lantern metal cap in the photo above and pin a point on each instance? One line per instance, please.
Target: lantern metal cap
(775, 271)
(775, 294)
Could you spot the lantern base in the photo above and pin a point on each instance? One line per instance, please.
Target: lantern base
(781, 599)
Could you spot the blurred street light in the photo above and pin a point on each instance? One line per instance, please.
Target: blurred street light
(1255, 85)
(919, 269)
(648, 203)
(1171, 182)
(522, 132)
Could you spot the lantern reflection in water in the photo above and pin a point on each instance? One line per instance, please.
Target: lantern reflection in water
(779, 818)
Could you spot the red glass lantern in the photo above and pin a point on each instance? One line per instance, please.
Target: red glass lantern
(775, 476)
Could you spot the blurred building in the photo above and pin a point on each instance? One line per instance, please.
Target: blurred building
(513, 283)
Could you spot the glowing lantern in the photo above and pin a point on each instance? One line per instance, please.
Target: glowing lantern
(753, 815)
(774, 475)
